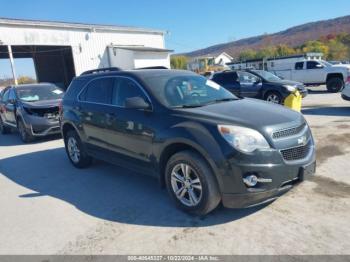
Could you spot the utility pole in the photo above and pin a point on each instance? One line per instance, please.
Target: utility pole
(9, 48)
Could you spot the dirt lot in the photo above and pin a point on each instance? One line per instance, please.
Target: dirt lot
(48, 207)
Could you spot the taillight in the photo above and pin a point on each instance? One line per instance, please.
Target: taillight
(348, 80)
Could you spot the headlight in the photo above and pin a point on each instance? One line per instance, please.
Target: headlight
(243, 139)
(290, 88)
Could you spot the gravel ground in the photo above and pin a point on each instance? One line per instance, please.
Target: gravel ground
(48, 207)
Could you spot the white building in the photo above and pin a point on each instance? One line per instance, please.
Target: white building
(61, 50)
(204, 63)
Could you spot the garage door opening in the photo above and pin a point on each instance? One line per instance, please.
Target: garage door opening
(53, 64)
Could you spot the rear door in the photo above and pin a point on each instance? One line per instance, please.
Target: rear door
(228, 80)
(250, 85)
(95, 103)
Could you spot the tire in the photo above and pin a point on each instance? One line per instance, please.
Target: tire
(75, 150)
(273, 97)
(24, 133)
(335, 84)
(201, 176)
(3, 128)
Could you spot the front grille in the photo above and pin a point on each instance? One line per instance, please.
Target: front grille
(288, 132)
(295, 153)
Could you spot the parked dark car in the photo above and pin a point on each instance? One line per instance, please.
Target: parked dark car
(205, 144)
(32, 109)
(258, 84)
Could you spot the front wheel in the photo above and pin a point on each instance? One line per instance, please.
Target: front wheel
(76, 151)
(335, 84)
(273, 97)
(3, 128)
(191, 183)
(24, 133)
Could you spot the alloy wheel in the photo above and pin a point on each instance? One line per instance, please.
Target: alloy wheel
(186, 184)
(273, 98)
(73, 149)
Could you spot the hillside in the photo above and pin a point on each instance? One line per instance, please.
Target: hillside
(294, 36)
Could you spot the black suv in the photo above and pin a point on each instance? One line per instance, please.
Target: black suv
(258, 84)
(202, 142)
(32, 109)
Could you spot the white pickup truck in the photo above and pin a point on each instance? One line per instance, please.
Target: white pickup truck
(314, 72)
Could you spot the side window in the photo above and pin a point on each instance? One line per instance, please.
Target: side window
(125, 88)
(299, 66)
(12, 95)
(226, 78)
(313, 65)
(5, 96)
(98, 91)
(247, 78)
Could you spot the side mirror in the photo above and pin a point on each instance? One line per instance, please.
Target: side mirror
(258, 81)
(319, 66)
(137, 103)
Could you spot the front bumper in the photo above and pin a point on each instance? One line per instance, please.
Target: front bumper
(41, 126)
(281, 176)
(346, 92)
(254, 198)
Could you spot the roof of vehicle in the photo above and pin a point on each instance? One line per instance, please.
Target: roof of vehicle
(139, 73)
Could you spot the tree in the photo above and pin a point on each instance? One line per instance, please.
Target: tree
(178, 62)
(247, 54)
(25, 80)
(284, 50)
(315, 46)
(337, 50)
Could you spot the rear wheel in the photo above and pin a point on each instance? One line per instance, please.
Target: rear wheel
(3, 128)
(76, 151)
(191, 183)
(273, 97)
(335, 84)
(24, 132)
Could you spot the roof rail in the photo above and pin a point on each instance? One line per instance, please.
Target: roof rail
(152, 67)
(101, 70)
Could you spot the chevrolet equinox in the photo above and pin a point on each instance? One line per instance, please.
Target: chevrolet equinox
(203, 143)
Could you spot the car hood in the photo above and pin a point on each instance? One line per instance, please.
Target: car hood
(252, 113)
(347, 66)
(42, 104)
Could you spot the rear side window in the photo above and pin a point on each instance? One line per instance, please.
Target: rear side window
(226, 78)
(98, 91)
(299, 66)
(125, 88)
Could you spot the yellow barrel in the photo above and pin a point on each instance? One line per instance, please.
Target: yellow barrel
(293, 101)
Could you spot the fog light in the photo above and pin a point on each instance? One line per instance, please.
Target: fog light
(250, 180)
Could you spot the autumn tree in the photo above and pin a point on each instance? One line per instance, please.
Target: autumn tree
(178, 62)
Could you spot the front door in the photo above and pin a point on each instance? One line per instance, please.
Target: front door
(250, 85)
(129, 131)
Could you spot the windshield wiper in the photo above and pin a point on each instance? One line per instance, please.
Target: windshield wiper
(221, 100)
(188, 106)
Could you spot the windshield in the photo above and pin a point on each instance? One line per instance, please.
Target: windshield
(325, 63)
(187, 90)
(267, 75)
(39, 93)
